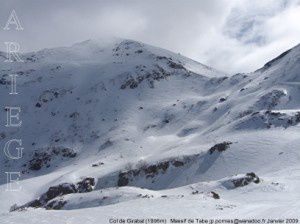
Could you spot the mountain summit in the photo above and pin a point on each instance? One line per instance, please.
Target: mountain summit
(133, 126)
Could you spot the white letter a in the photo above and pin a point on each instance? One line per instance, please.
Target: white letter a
(13, 19)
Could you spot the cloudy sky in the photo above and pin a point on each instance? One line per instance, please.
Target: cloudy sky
(230, 35)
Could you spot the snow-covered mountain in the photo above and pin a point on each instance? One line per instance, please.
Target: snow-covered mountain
(124, 129)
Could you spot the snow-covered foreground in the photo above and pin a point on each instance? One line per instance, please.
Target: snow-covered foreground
(122, 129)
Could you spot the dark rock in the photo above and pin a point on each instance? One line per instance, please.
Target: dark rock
(271, 119)
(123, 180)
(35, 164)
(177, 163)
(175, 65)
(215, 195)
(86, 185)
(163, 166)
(270, 99)
(152, 169)
(47, 201)
(59, 190)
(162, 57)
(35, 204)
(247, 179)
(222, 99)
(156, 74)
(65, 152)
(220, 147)
(56, 205)
(43, 158)
(147, 171)
(131, 83)
(97, 164)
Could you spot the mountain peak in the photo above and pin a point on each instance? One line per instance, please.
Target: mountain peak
(117, 50)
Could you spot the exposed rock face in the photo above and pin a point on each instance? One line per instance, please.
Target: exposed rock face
(156, 75)
(51, 199)
(42, 159)
(249, 178)
(86, 185)
(171, 63)
(56, 204)
(241, 181)
(271, 99)
(35, 204)
(215, 195)
(220, 147)
(149, 171)
(123, 179)
(177, 163)
(221, 100)
(268, 119)
(58, 190)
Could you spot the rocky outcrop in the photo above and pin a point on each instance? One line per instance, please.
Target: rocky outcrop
(150, 171)
(241, 180)
(157, 74)
(86, 185)
(220, 147)
(270, 100)
(43, 158)
(215, 195)
(46, 200)
(268, 119)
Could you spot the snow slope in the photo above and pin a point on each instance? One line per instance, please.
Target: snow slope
(124, 129)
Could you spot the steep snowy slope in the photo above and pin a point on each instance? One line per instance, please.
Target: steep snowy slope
(125, 126)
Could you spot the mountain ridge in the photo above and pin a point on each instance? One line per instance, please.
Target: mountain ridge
(129, 123)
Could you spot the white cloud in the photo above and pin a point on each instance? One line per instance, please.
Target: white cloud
(280, 32)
